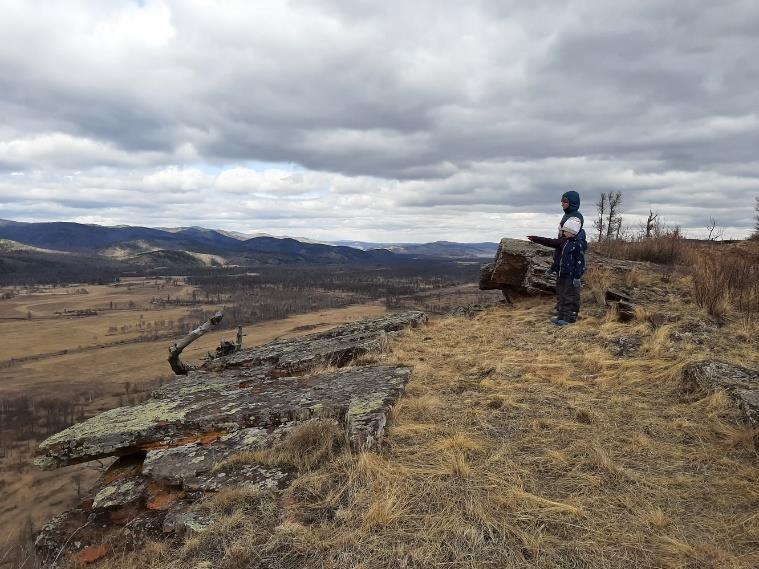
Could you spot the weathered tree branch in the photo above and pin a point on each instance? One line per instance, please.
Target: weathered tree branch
(177, 366)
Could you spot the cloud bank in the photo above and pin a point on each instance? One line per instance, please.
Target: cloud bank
(405, 121)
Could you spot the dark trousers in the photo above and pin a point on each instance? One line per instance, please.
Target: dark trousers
(567, 300)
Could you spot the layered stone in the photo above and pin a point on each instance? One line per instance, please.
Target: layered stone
(519, 266)
(740, 383)
(191, 436)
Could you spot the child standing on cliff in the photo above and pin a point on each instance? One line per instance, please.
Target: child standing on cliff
(568, 266)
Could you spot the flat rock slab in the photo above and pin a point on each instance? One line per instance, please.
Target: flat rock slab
(740, 383)
(255, 388)
(188, 463)
(334, 347)
(357, 397)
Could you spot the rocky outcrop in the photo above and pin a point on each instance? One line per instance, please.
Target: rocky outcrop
(182, 442)
(740, 383)
(519, 267)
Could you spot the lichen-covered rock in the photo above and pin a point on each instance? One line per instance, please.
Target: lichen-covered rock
(468, 311)
(187, 462)
(186, 524)
(519, 266)
(256, 401)
(741, 383)
(333, 347)
(120, 492)
(252, 476)
(172, 447)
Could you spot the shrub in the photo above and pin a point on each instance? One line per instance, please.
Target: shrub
(668, 248)
(727, 278)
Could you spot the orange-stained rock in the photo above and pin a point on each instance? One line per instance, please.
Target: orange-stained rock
(201, 438)
(162, 501)
(91, 554)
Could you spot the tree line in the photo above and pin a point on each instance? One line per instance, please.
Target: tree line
(277, 292)
(608, 224)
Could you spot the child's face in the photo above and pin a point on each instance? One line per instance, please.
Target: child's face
(567, 234)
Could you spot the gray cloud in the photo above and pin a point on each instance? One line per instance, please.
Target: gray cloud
(431, 114)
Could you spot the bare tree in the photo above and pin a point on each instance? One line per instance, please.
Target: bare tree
(755, 235)
(600, 223)
(715, 232)
(179, 367)
(613, 218)
(652, 224)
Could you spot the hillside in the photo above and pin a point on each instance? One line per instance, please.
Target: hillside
(145, 247)
(129, 245)
(73, 252)
(8, 246)
(518, 444)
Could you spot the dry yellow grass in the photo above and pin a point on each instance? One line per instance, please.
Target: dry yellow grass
(519, 445)
(307, 445)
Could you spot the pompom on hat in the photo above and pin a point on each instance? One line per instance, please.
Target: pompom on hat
(572, 225)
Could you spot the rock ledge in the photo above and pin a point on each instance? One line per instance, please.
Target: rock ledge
(172, 448)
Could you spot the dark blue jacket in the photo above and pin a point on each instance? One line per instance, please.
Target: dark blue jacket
(574, 208)
(569, 258)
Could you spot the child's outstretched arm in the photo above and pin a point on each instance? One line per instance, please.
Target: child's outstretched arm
(547, 241)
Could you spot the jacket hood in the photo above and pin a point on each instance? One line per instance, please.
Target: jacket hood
(574, 201)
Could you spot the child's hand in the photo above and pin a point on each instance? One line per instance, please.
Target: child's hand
(577, 283)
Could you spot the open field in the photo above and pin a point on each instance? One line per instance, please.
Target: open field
(35, 324)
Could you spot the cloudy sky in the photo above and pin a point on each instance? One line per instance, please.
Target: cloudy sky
(383, 121)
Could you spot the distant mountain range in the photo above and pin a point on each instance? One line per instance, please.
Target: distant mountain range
(447, 249)
(149, 248)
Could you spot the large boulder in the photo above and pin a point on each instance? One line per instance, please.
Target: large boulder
(519, 267)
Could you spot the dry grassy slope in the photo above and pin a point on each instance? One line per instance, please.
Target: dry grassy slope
(520, 444)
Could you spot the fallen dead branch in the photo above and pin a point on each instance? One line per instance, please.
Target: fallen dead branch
(179, 367)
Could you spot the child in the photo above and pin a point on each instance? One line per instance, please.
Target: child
(569, 266)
